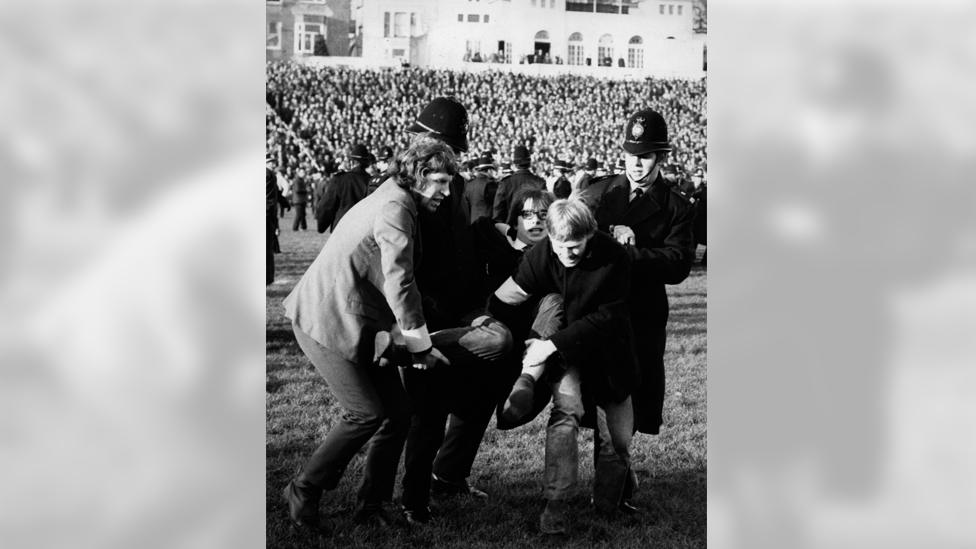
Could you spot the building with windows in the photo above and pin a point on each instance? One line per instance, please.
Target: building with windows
(652, 37)
(299, 28)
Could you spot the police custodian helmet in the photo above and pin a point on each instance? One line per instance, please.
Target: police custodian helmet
(446, 118)
(646, 132)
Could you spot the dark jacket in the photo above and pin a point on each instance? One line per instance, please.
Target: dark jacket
(701, 215)
(272, 195)
(507, 188)
(341, 193)
(444, 269)
(662, 221)
(299, 192)
(597, 337)
(480, 193)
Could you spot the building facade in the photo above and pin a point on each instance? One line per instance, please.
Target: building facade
(643, 36)
(302, 28)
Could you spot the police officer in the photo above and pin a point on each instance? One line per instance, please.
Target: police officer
(344, 190)
(589, 173)
(560, 185)
(520, 179)
(379, 174)
(654, 222)
(480, 191)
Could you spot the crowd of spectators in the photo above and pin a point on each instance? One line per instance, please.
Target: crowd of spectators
(316, 114)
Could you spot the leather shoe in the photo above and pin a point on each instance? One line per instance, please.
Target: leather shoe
(417, 517)
(553, 518)
(443, 488)
(519, 402)
(303, 506)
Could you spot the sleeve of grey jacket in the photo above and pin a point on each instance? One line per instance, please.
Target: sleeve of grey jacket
(393, 231)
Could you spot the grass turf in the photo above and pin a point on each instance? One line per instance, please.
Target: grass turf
(671, 466)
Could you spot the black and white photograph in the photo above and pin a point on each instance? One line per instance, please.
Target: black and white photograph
(492, 315)
(486, 273)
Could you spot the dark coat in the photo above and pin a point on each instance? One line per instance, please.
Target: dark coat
(480, 193)
(341, 193)
(444, 271)
(662, 221)
(597, 337)
(299, 192)
(272, 195)
(701, 215)
(507, 188)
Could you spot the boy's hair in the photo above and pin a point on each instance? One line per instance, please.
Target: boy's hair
(541, 198)
(570, 219)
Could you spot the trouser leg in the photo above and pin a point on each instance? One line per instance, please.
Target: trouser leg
(612, 468)
(474, 385)
(425, 434)
(383, 455)
(562, 451)
(363, 414)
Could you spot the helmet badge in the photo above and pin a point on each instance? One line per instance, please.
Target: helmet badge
(637, 129)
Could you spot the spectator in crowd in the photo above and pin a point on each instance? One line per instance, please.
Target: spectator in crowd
(272, 197)
(590, 358)
(358, 294)
(522, 178)
(654, 222)
(299, 199)
(344, 190)
(337, 105)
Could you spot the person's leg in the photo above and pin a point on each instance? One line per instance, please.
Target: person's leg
(562, 451)
(425, 434)
(362, 416)
(549, 318)
(484, 340)
(615, 424)
(383, 456)
(474, 391)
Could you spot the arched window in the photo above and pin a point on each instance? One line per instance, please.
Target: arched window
(635, 52)
(575, 56)
(605, 51)
(540, 48)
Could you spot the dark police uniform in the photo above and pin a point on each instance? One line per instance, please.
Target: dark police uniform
(341, 193)
(508, 186)
(662, 220)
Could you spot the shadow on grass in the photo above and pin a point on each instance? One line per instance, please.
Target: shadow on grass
(280, 339)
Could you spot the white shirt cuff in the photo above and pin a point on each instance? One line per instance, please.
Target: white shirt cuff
(417, 339)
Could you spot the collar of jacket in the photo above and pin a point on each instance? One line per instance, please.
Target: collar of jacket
(642, 208)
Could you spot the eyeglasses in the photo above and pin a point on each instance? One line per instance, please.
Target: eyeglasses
(532, 214)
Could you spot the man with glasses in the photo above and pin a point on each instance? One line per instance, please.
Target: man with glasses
(654, 222)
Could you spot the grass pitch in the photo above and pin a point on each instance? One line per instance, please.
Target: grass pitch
(670, 466)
